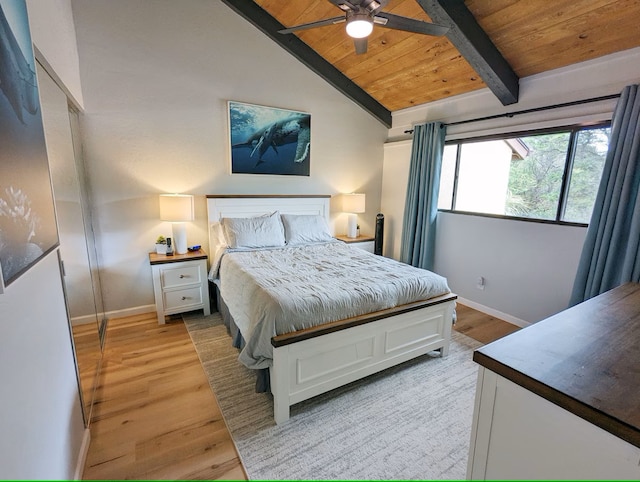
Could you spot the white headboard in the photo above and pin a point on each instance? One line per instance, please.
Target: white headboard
(244, 206)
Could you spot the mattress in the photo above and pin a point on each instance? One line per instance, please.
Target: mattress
(281, 290)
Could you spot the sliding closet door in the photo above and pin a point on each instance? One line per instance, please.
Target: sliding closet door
(90, 237)
(83, 305)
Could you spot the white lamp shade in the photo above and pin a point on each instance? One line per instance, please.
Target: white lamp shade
(353, 203)
(176, 207)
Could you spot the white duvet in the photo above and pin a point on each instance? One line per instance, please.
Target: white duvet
(280, 290)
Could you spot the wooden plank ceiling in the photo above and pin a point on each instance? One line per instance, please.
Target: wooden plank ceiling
(403, 69)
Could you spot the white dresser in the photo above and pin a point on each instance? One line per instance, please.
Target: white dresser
(180, 283)
(559, 399)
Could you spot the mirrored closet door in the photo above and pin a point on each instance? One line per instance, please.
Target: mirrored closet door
(87, 322)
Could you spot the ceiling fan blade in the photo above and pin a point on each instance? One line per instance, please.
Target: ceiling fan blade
(319, 23)
(373, 6)
(361, 45)
(344, 5)
(397, 22)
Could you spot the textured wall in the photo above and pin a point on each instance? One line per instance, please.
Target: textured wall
(156, 78)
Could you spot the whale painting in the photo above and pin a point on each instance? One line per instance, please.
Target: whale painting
(28, 229)
(268, 140)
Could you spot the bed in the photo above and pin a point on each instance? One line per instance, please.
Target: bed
(322, 313)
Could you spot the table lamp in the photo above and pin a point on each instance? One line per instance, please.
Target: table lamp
(353, 204)
(177, 209)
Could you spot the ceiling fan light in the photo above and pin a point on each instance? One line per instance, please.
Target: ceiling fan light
(360, 26)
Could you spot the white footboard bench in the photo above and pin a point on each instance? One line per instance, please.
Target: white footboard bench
(313, 361)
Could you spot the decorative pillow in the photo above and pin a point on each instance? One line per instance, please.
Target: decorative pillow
(217, 235)
(258, 232)
(305, 228)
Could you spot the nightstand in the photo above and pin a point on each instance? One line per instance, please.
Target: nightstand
(363, 242)
(180, 283)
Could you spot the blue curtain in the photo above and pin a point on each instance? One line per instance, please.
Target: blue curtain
(421, 208)
(611, 255)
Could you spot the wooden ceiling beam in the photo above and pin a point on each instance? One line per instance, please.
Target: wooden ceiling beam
(296, 47)
(475, 46)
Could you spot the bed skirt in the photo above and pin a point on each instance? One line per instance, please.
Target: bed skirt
(263, 380)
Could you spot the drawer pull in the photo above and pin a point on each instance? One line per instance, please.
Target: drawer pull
(181, 276)
(184, 298)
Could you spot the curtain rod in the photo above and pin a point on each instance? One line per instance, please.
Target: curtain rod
(529, 111)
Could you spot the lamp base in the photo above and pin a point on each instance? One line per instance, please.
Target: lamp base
(352, 225)
(179, 237)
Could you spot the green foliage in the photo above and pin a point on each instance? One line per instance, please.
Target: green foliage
(591, 151)
(161, 240)
(536, 181)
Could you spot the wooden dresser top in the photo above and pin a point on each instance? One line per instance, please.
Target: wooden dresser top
(585, 359)
(176, 258)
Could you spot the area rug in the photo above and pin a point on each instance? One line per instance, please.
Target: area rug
(408, 422)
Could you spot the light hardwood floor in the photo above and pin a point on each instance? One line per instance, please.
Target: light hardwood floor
(155, 416)
(480, 326)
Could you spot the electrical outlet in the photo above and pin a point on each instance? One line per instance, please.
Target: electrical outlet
(480, 282)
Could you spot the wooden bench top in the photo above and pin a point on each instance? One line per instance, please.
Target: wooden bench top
(289, 338)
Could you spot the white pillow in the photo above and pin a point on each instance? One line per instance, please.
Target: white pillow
(258, 232)
(305, 228)
(217, 235)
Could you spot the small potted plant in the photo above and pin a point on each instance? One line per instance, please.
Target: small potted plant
(161, 245)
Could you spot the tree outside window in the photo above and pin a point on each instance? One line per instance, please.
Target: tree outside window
(552, 176)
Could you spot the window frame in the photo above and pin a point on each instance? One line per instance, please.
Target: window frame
(573, 131)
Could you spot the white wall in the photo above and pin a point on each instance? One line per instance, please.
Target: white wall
(41, 425)
(395, 175)
(156, 76)
(529, 267)
(54, 35)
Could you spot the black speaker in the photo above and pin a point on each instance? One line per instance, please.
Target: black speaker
(379, 236)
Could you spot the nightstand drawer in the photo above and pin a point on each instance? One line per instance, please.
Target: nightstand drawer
(181, 299)
(180, 283)
(180, 276)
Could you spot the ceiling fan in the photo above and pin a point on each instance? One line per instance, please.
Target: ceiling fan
(360, 15)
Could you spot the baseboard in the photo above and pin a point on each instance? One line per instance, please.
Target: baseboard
(136, 310)
(83, 320)
(490, 311)
(82, 456)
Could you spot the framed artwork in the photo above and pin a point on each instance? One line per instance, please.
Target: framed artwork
(28, 229)
(267, 140)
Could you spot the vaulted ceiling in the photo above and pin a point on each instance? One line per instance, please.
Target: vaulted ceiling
(490, 43)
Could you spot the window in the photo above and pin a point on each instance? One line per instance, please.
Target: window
(552, 176)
